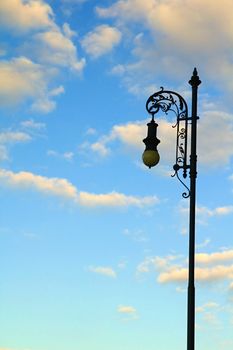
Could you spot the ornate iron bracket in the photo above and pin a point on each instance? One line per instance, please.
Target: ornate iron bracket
(166, 101)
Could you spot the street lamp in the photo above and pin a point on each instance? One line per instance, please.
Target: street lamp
(165, 101)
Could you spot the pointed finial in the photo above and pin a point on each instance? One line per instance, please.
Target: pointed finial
(195, 81)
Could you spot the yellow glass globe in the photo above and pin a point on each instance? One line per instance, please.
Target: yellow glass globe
(150, 158)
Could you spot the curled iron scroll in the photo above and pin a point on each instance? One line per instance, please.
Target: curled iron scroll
(166, 101)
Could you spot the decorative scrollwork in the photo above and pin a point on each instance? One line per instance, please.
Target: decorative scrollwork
(184, 194)
(166, 101)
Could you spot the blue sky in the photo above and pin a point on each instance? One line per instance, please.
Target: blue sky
(94, 245)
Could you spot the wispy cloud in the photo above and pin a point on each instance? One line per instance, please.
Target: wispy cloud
(203, 244)
(14, 137)
(136, 235)
(204, 213)
(115, 199)
(129, 311)
(208, 314)
(103, 270)
(173, 269)
(31, 124)
(64, 189)
(68, 156)
(206, 306)
(9, 138)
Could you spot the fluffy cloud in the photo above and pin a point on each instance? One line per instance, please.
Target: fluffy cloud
(181, 36)
(53, 186)
(213, 150)
(101, 40)
(46, 49)
(131, 136)
(173, 269)
(216, 273)
(21, 80)
(218, 146)
(103, 270)
(25, 15)
(64, 189)
(217, 257)
(56, 48)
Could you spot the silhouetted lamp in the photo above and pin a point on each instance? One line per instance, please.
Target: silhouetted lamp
(165, 101)
(151, 156)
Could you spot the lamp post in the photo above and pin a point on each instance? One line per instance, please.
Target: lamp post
(165, 101)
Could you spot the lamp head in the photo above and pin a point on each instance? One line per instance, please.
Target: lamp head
(151, 156)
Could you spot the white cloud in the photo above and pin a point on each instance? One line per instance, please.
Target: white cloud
(215, 139)
(203, 244)
(129, 311)
(53, 186)
(208, 314)
(131, 136)
(204, 258)
(66, 155)
(47, 50)
(9, 137)
(213, 274)
(69, 33)
(91, 131)
(3, 153)
(115, 199)
(74, 1)
(224, 210)
(55, 48)
(100, 148)
(126, 309)
(206, 306)
(103, 270)
(26, 15)
(173, 269)
(204, 213)
(30, 124)
(57, 91)
(64, 189)
(101, 40)
(22, 79)
(177, 34)
(136, 235)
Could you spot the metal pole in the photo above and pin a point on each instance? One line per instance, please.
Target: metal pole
(194, 82)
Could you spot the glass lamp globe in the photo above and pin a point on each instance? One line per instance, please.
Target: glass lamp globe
(150, 158)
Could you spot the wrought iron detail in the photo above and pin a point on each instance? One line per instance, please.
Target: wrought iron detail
(170, 101)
